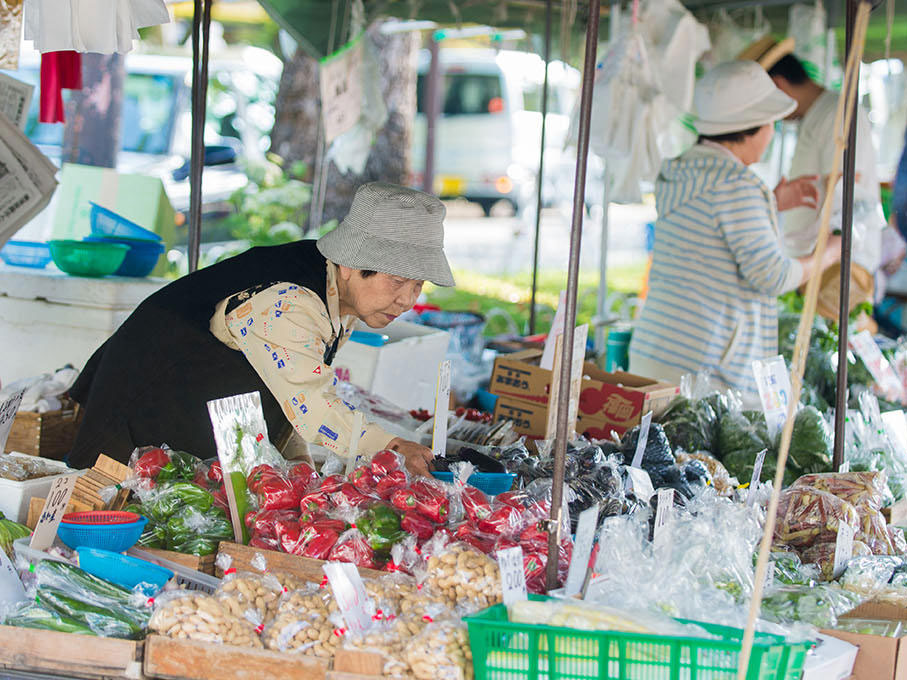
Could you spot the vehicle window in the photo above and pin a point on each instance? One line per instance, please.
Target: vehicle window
(532, 98)
(465, 93)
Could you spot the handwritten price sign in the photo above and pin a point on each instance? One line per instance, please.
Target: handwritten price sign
(54, 507)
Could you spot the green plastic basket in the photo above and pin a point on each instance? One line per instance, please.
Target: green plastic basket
(502, 650)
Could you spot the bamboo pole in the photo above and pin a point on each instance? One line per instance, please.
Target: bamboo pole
(843, 119)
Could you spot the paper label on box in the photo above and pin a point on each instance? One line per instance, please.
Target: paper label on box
(665, 511)
(513, 578)
(8, 409)
(867, 349)
(582, 550)
(640, 483)
(54, 509)
(11, 588)
(644, 426)
(773, 382)
(755, 477)
(843, 548)
(354, 603)
(442, 406)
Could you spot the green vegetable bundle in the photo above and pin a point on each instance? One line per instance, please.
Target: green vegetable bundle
(9, 532)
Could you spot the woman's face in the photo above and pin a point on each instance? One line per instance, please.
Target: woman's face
(377, 299)
(753, 147)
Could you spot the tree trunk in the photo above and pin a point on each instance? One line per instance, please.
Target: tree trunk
(92, 132)
(295, 132)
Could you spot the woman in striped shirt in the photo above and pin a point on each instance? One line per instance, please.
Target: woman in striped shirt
(718, 263)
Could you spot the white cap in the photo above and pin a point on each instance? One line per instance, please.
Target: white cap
(736, 96)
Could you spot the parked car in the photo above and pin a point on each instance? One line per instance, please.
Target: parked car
(488, 133)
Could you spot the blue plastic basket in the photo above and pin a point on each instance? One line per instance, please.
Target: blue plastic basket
(26, 254)
(141, 258)
(113, 537)
(491, 483)
(106, 222)
(124, 570)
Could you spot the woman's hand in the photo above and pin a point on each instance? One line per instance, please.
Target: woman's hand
(801, 192)
(417, 456)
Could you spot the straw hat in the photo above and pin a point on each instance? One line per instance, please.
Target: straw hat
(392, 229)
(767, 51)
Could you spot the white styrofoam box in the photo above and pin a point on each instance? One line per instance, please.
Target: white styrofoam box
(404, 371)
(15, 496)
(832, 659)
(49, 319)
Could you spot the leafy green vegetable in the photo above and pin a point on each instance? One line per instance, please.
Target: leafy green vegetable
(690, 424)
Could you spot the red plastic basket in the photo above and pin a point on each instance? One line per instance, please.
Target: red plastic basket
(101, 517)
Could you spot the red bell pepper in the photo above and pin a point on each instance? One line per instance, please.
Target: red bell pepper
(265, 522)
(534, 539)
(258, 474)
(264, 543)
(505, 521)
(534, 569)
(332, 483)
(349, 495)
(386, 461)
(314, 501)
(215, 473)
(431, 500)
(363, 479)
(303, 471)
(389, 483)
(417, 525)
(276, 493)
(220, 498)
(150, 464)
(288, 535)
(352, 547)
(200, 478)
(338, 526)
(316, 544)
(476, 504)
(512, 498)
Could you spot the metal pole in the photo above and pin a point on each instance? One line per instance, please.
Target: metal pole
(201, 32)
(541, 176)
(431, 103)
(576, 232)
(846, 240)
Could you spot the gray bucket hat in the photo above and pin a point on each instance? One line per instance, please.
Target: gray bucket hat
(394, 230)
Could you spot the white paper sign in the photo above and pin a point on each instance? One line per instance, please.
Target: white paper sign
(513, 578)
(665, 511)
(640, 483)
(769, 575)
(341, 90)
(576, 378)
(773, 382)
(557, 329)
(884, 376)
(442, 405)
(53, 511)
(644, 426)
(11, 589)
(755, 477)
(8, 410)
(843, 548)
(354, 603)
(582, 550)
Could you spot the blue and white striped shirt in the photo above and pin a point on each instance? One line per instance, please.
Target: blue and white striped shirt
(717, 269)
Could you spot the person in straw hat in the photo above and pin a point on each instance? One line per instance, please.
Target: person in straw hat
(814, 156)
(268, 320)
(718, 264)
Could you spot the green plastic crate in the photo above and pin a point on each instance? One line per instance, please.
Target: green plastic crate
(502, 650)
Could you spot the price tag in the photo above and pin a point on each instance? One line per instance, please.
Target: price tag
(442, 406)
(644, 426)
(354, 603)
(755, 477)
(844, 467)
(884, 376)
(355, 435)
(640, 483)
(53, 511)
(513, 578)
(8, 409)
(843, 548)
(769, 575)
(773, 382)
(11, 589)
(665, 511)
(341, 89)
(582, 550)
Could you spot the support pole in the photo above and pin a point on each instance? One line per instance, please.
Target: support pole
(431, 104)
(846, 242)
(201, 33)
(541, 175)
(576, 233)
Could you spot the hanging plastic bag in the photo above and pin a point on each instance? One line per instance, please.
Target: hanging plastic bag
(807, 25)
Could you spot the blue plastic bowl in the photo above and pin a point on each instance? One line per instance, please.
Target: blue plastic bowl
(106, 222)
(141, 258)
(113, 537)
(491, 483)
(124, 570)
(26, 254)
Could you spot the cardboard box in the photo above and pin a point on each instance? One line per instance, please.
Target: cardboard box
(404, 370)
(518, 376)
(879, 658)
(618, 401)
(139, 198)
(528, 418)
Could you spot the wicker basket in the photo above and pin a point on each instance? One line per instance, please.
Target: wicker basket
(49, 435)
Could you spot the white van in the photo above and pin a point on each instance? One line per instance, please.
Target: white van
(488, 134)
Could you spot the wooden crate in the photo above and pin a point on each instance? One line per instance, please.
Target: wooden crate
(358, 663)
(104, 473)
(303, 567)
(49, 435)
(36, 506)
(188, 660)
(203, 564)
(69, 655)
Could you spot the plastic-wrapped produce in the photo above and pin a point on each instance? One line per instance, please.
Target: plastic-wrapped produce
(195, 616)
(822, 554)
(718, 473)
(864, 490)
(819, 605)
(690, 424)
(868, 575)
(807, 516)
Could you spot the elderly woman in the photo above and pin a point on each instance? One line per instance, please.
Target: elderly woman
(718, 263)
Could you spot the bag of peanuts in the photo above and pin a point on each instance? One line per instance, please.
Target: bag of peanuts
(441, 652)
(307, 621)
(196, 616)
(460, 574)
(245, 593)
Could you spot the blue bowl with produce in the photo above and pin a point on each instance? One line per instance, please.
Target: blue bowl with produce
(106, 530)
(105, 222)
(32, 254)
(124, 570)
(142, 256)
